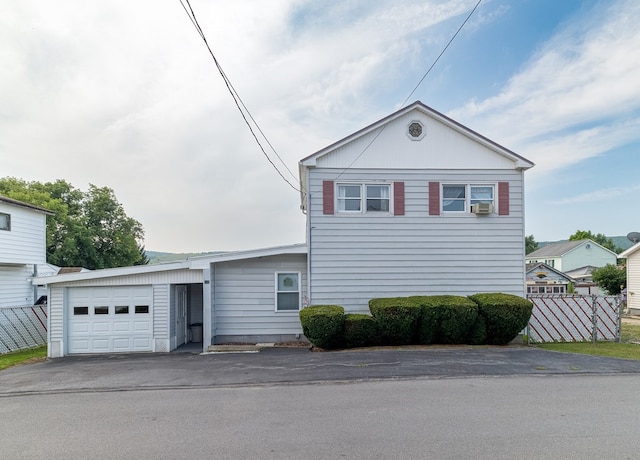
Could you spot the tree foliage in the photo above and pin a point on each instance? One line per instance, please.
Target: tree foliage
(598, 238)
(90, 229)
(611, 278)
(530, 244)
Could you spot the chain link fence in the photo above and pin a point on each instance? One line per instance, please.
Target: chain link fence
(22, 327)
(574, 318)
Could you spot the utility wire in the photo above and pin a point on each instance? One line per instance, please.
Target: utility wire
(414, 89)
(236, 98)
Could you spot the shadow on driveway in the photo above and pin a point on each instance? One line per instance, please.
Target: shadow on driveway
(120, 372)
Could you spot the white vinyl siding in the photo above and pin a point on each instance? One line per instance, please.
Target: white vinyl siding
(355, 259)
(633, 282)
(15, 285)
(25, 243)
(245, 297)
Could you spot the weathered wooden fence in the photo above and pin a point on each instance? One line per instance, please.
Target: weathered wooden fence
(574, 318)
(22, 327)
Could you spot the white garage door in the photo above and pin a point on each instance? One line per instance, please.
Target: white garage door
(110, 319)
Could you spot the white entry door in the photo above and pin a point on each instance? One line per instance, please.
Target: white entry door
(181, 315)
(109, 319)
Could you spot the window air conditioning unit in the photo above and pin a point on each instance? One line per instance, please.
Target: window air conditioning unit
(482, 208)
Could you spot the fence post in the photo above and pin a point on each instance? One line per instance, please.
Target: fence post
(594, 309)
(619, 312)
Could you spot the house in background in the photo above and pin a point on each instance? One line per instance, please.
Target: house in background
(543, 279)
(23, 229)
(567, 256)
(633, 278)
(413, 204)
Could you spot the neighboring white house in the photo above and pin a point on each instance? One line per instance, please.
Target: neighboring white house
(567, 256)
(413, 204)
(23, 229)
(633, 278)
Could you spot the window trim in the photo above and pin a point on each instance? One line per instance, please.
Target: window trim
(7, 220)
(363, 197)
(276, 291)
(467, 197)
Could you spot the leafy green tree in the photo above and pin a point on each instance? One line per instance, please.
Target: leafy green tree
(611, 278)
(530, 244)
(88, 230)
(598, 238)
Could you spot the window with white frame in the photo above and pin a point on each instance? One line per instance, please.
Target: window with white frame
(349, 198)
(376, 197)
(5, 221)
(460, 197)
(287, 291)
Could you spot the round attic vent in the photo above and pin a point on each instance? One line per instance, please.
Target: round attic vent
(415, 131)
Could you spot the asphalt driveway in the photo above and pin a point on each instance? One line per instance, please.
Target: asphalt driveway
(121, 372)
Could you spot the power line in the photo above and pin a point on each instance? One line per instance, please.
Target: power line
(414, 89)
(443, 51)
(237, 99)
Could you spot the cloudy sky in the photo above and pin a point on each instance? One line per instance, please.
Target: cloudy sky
(124, 94)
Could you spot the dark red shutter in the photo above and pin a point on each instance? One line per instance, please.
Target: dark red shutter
(503, 198)
(398, 198)
(434, 198)
(327, 197)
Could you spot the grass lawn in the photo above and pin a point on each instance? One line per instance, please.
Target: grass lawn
(23, 357)
(625, 349)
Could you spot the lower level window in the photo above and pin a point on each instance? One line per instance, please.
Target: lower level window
(287, 291)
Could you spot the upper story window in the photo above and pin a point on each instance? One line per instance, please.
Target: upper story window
(5, 221)
(376, 198)
(460, 197)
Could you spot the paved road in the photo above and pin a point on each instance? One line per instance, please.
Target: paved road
(584, 416)
(285, 366)
(448, 402)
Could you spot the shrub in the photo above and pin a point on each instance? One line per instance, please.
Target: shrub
(505, 315)
(445, 318)
(397, 318)
(361, 331)
(322, 325)
(478, 331)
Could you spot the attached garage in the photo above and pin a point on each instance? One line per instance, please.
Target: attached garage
(244, 296)
(110, 319)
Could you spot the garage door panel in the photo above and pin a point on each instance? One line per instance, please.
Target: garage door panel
(122, 326)
(104, 319)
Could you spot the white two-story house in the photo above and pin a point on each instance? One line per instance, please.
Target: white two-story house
(414, 203)
(23, 247)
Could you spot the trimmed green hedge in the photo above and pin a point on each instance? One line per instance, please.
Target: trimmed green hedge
(361, 330)
(397, 318)
(323, 325)
(445, 318)
(505, 315)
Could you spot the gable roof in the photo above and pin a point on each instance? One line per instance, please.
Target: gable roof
(516, 161)
(534, 266)
(21, 204)
(561, 248)
(628, 252)
(520, 161)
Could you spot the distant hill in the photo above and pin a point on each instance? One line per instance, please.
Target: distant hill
(621, 241)
(157, 257)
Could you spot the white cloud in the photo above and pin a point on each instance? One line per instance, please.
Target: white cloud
(576, 98)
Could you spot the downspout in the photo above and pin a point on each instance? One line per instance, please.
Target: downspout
(35, 286)
(309, 252)
(208, 315)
